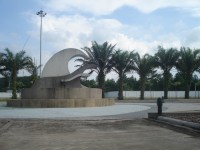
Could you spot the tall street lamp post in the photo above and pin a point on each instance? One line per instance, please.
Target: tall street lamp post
(41, 14)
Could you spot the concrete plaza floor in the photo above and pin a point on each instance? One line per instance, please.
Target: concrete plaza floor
(110, 130)
(117, 111)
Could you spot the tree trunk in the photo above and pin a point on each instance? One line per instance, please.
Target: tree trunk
(101, 82)
(166, 76)
(165, 94)
(142, 88)
(14, 78)
(187, 86)
(187, 91)
(120, 89)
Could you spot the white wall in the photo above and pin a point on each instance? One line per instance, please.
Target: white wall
(132, 94)
(152, 94)
(8, 94)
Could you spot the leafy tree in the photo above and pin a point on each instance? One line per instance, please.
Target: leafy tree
(3, 84)
(178, 82)
(12, 63)
(149, 81)
(110, 85)
(121, 63)
(89, 83)
(99, 55)
(143, 66)
(131, 83)
(194, 82)
(1, 59)
(187, 64)
(32, 68)
(166, 60)
(24, 82)
(6, 78)
(19, 85)
(157, 82)
(198, 87)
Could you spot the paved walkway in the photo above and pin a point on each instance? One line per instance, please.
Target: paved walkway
(118, 111)
(178, 107)
(74, 130)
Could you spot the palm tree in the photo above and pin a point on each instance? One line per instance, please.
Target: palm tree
(144, 67)
(122, 63)
(166, 59)
(12, 63)
(187, 64)
(1, 67)
(100, 56)
(32, 68)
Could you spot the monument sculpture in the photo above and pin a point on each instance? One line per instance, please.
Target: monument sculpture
(57, 87)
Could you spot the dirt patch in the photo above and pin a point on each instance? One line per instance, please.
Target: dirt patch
(190, 117)
(92, 134)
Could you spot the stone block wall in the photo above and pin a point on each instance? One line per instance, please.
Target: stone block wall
(59, 103)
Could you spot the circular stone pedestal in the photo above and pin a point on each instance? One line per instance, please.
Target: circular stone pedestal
(59, 103)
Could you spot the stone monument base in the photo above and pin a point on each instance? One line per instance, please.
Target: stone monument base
(61, 93)
(59, 103)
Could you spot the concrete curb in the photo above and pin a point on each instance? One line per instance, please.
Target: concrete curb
(179, 122)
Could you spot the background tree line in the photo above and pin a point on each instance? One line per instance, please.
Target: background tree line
(107, 58)
(132, 84)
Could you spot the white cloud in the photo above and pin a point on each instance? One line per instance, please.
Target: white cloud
(60, 32)
(127, 43)
(67, 31)
(77, 31)
(149, 6)
(195, 11)
(145, 46)
(97, 7)
(170, 40)
(192, 37)
(102, 7)
(66, 26)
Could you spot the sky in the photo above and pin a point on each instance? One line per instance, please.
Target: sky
(139, 25)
